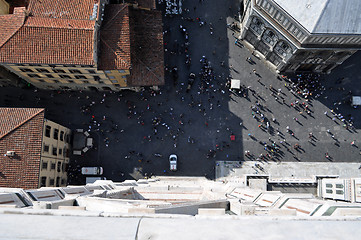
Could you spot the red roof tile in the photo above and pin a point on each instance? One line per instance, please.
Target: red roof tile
(51, 41)
(21, 130)
(11, 23)
(71, 9)
(114, 52)
(147, 52)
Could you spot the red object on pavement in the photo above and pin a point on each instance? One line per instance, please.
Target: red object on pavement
(233, 137)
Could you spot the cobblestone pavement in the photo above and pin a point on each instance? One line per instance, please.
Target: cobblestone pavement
(142, 129)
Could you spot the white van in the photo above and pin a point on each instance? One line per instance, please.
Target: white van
(92, 170)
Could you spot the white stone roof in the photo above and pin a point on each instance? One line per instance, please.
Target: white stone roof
(325, 16)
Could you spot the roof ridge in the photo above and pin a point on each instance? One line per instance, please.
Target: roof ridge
(320, 15)
(12, 35)
(23, 122)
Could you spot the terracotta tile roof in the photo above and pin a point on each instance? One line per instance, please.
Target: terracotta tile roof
(55, 32)
(11, 23)
(147, 52)
(71, 9)
(114, 51)
(51, 41)
(21, 130)
(143, 3)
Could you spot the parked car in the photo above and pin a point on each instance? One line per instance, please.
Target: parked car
(173, 162)
(92, 170)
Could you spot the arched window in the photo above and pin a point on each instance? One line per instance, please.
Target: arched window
(282, 49)
(269, 37)
(257, 25)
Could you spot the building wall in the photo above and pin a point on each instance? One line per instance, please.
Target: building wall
(4, 7)
(55, 152)
(74, 77)
(118, 76)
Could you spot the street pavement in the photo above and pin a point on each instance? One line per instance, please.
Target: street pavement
(129, 128)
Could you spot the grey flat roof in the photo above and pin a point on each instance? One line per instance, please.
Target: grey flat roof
(325, 16)
(19, 226)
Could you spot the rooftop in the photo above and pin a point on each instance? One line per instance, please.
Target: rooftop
(325, 16)
(54, 32)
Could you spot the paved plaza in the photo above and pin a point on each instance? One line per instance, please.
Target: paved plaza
(141, 129)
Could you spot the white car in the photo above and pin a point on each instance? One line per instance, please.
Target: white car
(173, 162)
(92, 170)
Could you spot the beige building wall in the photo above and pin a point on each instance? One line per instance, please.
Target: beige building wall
(4, 7)
(54, 154)
(118, 76)
(74, 77)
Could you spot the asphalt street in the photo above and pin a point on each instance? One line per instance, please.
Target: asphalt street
(141, 129)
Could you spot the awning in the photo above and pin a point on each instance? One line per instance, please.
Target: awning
(235, 84)
(356, 100)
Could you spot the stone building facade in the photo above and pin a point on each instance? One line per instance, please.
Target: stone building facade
(305, 36)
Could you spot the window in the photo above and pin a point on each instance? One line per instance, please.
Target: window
(56, 81)
(55, 151)
(51, 182)
(61, 135)
(33, 75)
(96, 78)
(80, 77)
(74, 71)
(56, 134)
(90, 71)
(64, 152)
(64, 76)
(111, 77)
(58, 168)
(339, 185)
(114, 81)
(121, 71)
(270, 37)
(42, 70)
(107, 71)
(62, 181)
(328, 185)
(58, 71)
(46, 148)
(45, 165)
(25, 70)
(41, 80)
(60, 151)
(47, 131)
(70, 81)
(43, 182)
(52, 166)
(86, 82)
(329, 191)
(57, 182)
(339, 192)
(68, 65)
(49, 75)
(257, 25)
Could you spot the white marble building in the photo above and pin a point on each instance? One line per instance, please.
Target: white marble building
(302, 35)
